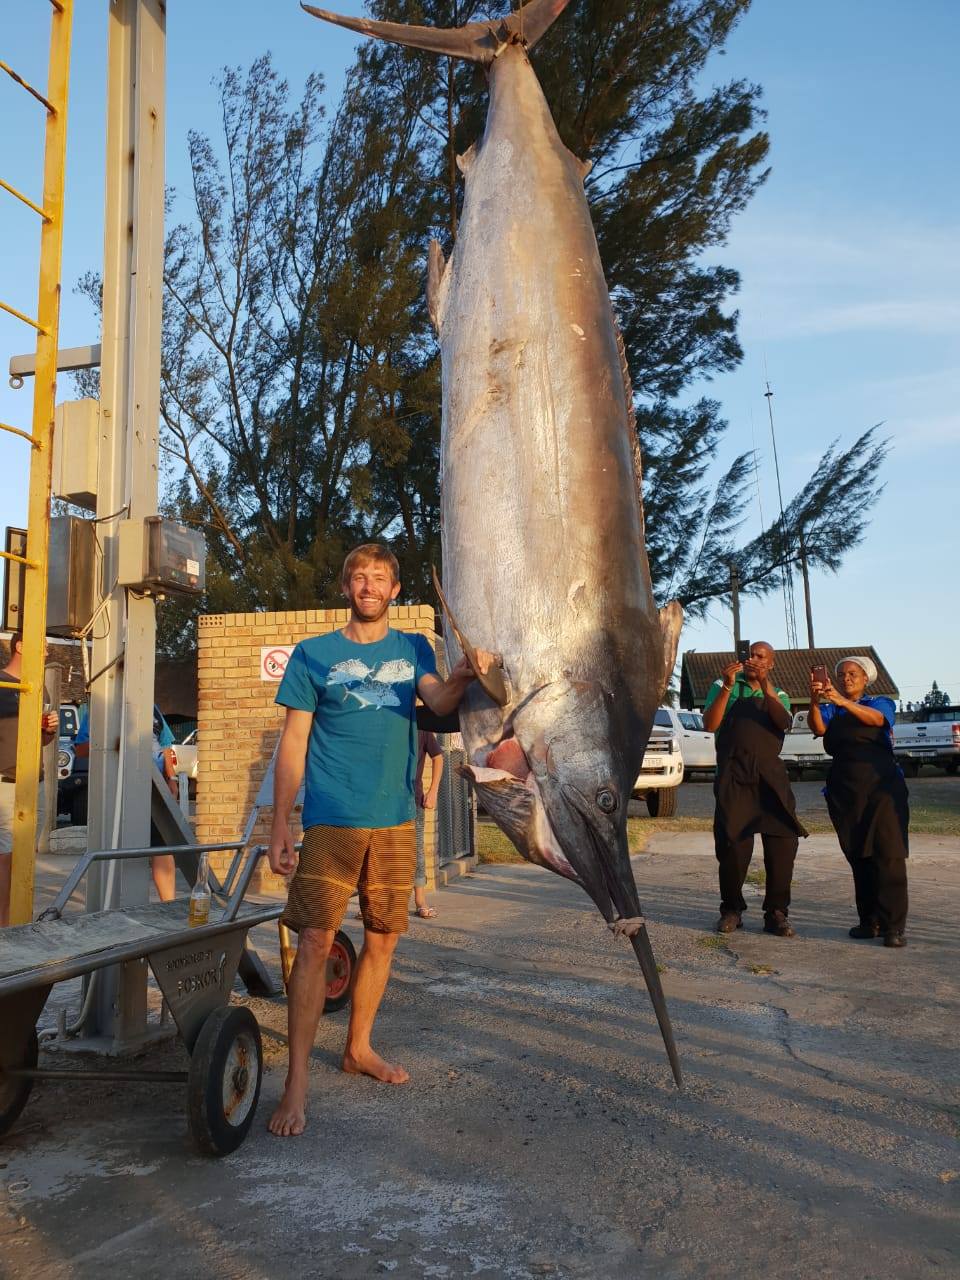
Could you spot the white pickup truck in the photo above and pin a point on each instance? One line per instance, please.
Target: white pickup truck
(801, 750)
(661, 771)
(933, 740)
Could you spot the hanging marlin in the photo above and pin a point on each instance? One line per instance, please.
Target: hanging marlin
(543, 551)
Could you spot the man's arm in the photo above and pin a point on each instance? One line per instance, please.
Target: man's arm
(435, 752)
(775, 709)
(287, 776)
(714, 713)
(444, 696)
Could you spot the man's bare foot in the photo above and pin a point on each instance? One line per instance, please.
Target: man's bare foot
(371, 1064)
(290, 1118)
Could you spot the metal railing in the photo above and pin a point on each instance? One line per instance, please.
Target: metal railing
(40, 438)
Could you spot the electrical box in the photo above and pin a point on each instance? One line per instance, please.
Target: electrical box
(15, 543)
(161, 557)
(71, 576)
(76, 446)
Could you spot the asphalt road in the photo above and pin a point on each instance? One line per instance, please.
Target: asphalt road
(541, 1133)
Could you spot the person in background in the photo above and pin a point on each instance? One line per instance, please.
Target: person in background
(750, 716)
(867, 797)
(427, 745)
(163, 868)
(9, 720)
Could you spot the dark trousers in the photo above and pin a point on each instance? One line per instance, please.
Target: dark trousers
(881, 889)
(779, 854)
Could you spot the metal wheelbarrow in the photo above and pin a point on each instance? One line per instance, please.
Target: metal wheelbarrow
(195, 969)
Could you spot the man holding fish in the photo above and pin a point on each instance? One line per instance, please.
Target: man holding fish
(351, 728)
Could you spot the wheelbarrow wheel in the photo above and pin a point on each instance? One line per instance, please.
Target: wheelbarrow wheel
(226, 1071)
(15, 1090)
(341, 966)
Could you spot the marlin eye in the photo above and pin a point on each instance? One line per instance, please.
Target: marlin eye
(607, 800)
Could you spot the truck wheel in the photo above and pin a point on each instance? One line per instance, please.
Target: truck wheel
(662, 802)
(78, 809)
(911, 768)
(226, 1071)
(952, 766)
(15, 1090)
(341, 965)
(793, 773)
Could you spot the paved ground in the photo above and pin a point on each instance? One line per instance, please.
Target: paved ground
(541, 1134)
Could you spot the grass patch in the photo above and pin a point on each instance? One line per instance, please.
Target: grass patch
(758, 878)
(933, 819)
(493, 846)
(715, 940)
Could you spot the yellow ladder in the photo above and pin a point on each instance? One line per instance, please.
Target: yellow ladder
(47, 326)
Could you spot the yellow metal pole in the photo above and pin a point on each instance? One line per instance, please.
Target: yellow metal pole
(41, 463)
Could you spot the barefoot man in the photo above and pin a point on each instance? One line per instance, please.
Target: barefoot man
(351, 724)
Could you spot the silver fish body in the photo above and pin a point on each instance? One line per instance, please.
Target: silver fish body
(543, 552)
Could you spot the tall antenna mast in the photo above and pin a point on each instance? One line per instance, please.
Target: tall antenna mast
(789, 606)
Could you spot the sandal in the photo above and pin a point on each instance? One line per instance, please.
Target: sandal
(425, 912)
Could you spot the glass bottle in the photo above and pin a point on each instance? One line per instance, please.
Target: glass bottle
(200, 896)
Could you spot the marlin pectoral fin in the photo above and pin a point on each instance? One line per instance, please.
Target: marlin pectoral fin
(671, 624)
(648, 966)
(476, 41)
(466, 159)
(437, 282)
(491, 680)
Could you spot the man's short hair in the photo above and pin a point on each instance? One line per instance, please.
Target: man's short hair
(370, 551)
(15, 639)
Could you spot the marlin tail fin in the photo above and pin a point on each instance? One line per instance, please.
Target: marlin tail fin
(476, 42)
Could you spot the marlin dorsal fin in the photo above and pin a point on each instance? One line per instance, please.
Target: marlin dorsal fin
(438, 279)
(474, 42)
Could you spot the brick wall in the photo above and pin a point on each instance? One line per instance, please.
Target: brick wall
(238, 723)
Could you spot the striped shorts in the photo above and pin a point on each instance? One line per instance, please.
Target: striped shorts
(377, 862)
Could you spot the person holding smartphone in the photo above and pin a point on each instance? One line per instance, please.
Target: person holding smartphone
(867, 797)
(749, 715)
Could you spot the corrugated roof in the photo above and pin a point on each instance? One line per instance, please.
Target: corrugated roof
(791, 671)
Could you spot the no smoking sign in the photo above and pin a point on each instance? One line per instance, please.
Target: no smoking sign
(273, 661)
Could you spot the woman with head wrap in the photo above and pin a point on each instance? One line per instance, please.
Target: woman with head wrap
(866, 795)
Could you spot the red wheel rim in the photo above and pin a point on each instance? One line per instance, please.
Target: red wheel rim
(338, 970)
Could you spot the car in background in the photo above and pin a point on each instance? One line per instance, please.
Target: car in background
(802, 749)
(933, 738)
(72, 769)
(186, 753)
(661, 770)
(697, 744)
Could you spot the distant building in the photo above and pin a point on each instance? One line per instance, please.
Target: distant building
(792, 673)
(67, 655)
(175, 690)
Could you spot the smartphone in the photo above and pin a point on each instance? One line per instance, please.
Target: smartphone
(743, 651)
(819, 675)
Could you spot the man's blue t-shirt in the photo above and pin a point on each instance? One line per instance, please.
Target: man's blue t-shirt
(362, 752)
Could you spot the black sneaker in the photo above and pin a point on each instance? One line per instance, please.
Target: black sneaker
(894, 940)
(729, 922)
(776, 922)
(870, 929)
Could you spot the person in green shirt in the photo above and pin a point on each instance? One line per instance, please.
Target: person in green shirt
(750, 715)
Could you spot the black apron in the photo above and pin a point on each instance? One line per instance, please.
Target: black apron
(866, 795)
(751, 787)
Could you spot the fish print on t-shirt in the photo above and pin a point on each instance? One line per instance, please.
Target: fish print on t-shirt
(371, 685)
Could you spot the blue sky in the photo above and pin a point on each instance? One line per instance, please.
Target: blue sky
(850, 302)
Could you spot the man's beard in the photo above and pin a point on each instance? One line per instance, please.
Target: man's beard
(361, 616)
